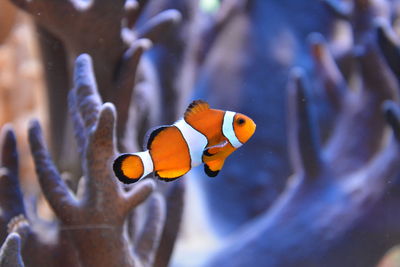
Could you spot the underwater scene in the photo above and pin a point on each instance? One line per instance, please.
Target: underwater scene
(200, 133)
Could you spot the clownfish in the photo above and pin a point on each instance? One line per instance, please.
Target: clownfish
(203, 135)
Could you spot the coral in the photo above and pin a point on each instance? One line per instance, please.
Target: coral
(391, 258)
(105, 41)
(7, 19)
(175, 203)
(11, 202)
(12, 217)
(10, 252)
(175, 57)
(390, 46)
(338, 192)
(95, 221)
(115, 35)
(253, 57)
(21, 89)
(316, 186)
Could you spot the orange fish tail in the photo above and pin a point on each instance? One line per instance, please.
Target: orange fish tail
(130, 168)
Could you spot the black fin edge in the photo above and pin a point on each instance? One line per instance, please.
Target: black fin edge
(154, 134)
(194, 104)
(208, 154)
(118, 170)
(166, 179)
(209, 172)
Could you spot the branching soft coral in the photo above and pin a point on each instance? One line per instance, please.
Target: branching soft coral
(35, 249)
(92, 227)
(259, 41)
(360, 14)
(95, 27)
(113, 34)
(7, 19)
(331, 211)
(95, 221)
(175, 203)
(10, 252)
(11, 202)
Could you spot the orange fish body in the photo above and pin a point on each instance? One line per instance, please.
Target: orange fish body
(203, 135)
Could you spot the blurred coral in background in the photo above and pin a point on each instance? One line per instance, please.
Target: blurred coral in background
(317, 185)
(21, 81)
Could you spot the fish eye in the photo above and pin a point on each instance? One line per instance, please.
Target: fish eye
(240, 121)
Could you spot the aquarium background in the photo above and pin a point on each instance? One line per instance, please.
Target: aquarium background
(84, 80)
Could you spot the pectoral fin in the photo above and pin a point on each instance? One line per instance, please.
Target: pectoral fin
(212, 168)
(213, 150)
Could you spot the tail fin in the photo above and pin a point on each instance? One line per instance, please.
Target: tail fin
(129, 168)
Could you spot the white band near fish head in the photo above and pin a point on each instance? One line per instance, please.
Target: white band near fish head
(228, 131)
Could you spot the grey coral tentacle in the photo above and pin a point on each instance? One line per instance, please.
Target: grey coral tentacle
(53, 187)
(10, 252)
(88, 101)
(392, 114)
(148, 240)
(138, 194)
(305, 146)
(175, 202)
(156, 26)
(11, 201)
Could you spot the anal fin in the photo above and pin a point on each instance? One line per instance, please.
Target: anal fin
(168, 179)
(212, 168)
(170, 175)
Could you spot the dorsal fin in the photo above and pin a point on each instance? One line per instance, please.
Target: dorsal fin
(196, 107)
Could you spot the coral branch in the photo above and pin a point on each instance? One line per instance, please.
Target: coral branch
(389, 46)
(11, 201)
(138, 194)
(13, 216)
(77, 125)
(332, 79)
(131, 8)
(228, 10)
(101, 148)
(157, 26)
(10, 252)
(23, 4)
(175, 200)
(149, 238)
(54, 188)
(103, 26)
(351, 186)
(95, 222)
(58, 84)
(124, 80)
(87, 99)
(130, 62)
(342, 9)
(303, 138)
(378, 85)
(7, 19)
(9, 153)
(392, 114)
(252, 48)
